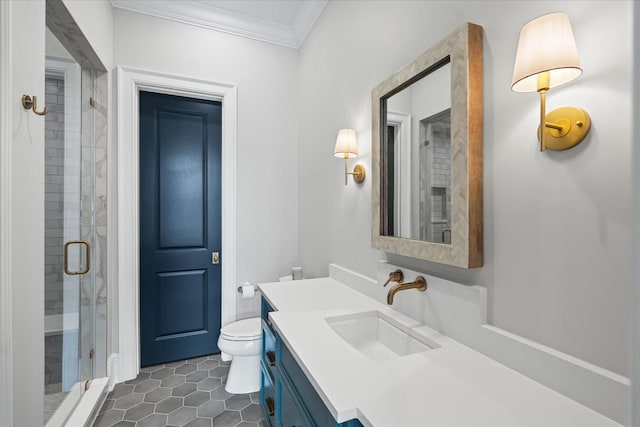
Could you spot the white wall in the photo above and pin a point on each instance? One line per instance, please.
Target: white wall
(557, 246)
(635, 330)
(265, 75)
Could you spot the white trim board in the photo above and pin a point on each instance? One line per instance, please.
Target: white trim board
(403, 170)
(113, 367)
(6, 311)
(635, 287)
(460, 312)
(130, 83)
(85, 412)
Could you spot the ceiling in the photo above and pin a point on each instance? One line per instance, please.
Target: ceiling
(281, 22)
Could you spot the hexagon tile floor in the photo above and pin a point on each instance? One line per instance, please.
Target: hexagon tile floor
(187, 393)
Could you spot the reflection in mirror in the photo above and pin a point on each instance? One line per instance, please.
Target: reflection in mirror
(417, 145)
(435, 177)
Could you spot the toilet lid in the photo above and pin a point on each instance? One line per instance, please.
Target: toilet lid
(247, 328)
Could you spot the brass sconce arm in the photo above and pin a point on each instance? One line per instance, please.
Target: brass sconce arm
(566, 126)
(358, 173)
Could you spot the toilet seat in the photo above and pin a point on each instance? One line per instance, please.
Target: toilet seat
(242, 330)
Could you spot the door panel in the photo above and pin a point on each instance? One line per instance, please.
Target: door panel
(180, 226)
(182, 187)
(186, 291)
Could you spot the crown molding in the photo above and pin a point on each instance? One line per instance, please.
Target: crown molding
(226, 21)
(306, 19)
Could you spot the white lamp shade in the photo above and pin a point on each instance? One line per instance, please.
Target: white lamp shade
(546, 44)
(346, 145)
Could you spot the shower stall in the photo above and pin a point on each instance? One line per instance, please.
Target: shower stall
(75, 218)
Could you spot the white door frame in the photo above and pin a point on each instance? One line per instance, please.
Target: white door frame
(130, 83)
(6, 313)
(22, 51)
(403, 167)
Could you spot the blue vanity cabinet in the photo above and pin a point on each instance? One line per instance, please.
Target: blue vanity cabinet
(291, 410)
(268, 390)
(268, 398)
(287, 397)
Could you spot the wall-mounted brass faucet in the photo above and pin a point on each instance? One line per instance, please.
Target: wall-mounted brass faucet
(420, 284)
(395, 276)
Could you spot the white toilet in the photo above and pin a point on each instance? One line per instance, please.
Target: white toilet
(241, 342)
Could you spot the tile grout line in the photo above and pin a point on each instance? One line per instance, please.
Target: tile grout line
(188, 393)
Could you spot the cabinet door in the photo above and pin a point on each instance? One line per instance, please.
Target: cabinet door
(268, 398)
(313, 404)
(290, 414)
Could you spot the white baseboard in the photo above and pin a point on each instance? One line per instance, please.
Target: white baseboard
(460, 312)
(87, 409)
(113, 370)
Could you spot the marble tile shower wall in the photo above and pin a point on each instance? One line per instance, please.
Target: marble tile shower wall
(100, 198)
(54, 195)
(441, 179)
(441, 171)
(93, 217)
(435, 200)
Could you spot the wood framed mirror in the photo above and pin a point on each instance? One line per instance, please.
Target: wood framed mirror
(427, 154)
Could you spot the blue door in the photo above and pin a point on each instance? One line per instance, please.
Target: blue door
(180, 227)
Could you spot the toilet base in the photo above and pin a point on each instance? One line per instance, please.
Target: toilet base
(244, 375)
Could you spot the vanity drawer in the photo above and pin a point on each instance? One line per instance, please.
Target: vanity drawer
(265, 309)
(269, 352)
(264, 314)
(268, 398)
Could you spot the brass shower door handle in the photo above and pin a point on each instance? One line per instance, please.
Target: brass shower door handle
(85, 270)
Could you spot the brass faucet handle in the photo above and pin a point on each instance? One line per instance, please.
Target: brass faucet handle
(395, 276)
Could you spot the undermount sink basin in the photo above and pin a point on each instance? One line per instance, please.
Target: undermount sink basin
(378, 336)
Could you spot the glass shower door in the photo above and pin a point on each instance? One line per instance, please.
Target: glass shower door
(69, 299)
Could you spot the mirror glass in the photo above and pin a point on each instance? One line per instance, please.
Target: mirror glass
(417, 146)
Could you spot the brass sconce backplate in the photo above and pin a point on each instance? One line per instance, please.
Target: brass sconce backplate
(358, 174)
(569, 126)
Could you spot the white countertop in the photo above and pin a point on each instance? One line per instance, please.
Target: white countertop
(452, 385)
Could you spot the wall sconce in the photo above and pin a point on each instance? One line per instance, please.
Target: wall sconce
(547, 57)
(346, 146)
